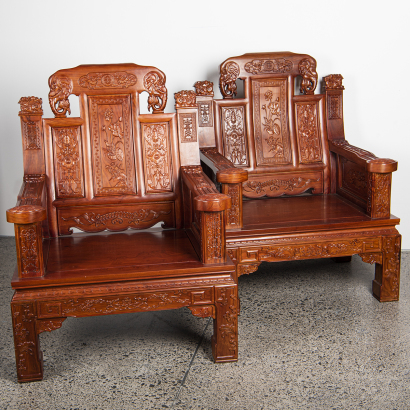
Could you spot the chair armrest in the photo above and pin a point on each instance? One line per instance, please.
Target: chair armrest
(366, 159)
(27, 217)
(204, 214)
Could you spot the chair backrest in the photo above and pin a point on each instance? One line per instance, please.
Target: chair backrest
(112, 168)
(278, 135)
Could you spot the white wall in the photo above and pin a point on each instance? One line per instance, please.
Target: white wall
(365, 41)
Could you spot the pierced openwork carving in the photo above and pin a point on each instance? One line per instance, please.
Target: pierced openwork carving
(233, 132)
(307, 69)
(187, 127)
(204, 88)
(31, 106)
(60, 90)
(30, 261)
(333, 82)
(154, 83)
(205, 114)
(270, 122)
(279, 65)
(68, 164)
(227, 80)
(276, 187)
(31, 135)
(157, 157)
(120, 79)
(334, 111)
(185, 99)
(308, 133)
(112, 145)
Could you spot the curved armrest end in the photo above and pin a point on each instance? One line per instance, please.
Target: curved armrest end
(382, 165)
(26, 214)
(212, 202)
(232, 176)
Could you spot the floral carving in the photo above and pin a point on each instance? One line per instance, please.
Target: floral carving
(279, 65)
(68, 166)
(280, 185)
(32, 136)
(31, 106)
(187, 127)
(205, 88)
(233, 213)
(333, 82)
(247, 269)
(117, 217)
(213, 235)
(60, 90)
(120, 79)
(372, 257)
(154, 83)
(227, 80)
(234, 135)
(307, 69)
(48, 325)
(185, 99)
(308, 134)
(158, 173)
(30, 263)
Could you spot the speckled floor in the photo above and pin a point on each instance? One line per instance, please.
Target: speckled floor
(311, 336)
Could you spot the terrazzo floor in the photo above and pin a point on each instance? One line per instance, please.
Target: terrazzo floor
(311, 336)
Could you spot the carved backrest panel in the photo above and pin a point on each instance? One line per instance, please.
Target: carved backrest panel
(276, 134)
(113, 168)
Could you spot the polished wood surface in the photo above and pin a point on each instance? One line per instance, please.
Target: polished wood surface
(306, 192)
(114, 169)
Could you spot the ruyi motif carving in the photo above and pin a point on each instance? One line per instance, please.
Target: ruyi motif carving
(68, 166)
(205, 114)
(378, 202)
(154, 83)
(185, 99)
(279, 65)
(158, 167)
(333, 82)
(117, 217)
(234, 135)
(227, 80)
(31, 135)
(60, 90)
(31, 106)
(95, 81)
(112, 145)
(187, 127)
(278, 185)
(307, 69)
(30, 261)
(308, 133)
(205, 88)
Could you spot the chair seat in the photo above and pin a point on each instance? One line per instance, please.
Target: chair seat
(304, 213)
(110, 257)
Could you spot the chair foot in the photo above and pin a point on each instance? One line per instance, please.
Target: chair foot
(225, 338)
(29, 358)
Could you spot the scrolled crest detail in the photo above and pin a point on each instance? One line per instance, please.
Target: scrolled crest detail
(333, 82)
(30, 106)
(154, 83)
(307, 69)
(185, 98)
(60, 89)
(227, 80)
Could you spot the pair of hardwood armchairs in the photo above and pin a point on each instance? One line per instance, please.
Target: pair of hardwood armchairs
(114, 169)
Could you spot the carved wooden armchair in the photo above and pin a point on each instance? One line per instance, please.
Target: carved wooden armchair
(299, 189)
(113, 169)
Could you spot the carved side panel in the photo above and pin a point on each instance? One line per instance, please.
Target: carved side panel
(308, 134)
(205, 112)
(354, 179)
(271, 122)
(187, 127)
(233, 134)
(31, 135)
(282, 184)
(111, 138)
(68, 164)
(158, 172)
(114, 217)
